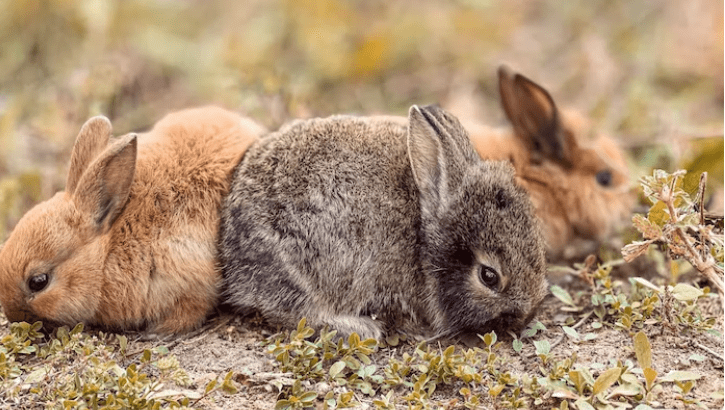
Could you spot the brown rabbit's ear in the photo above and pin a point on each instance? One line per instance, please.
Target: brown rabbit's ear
(91, 141)
(534, 116)
(103, 189)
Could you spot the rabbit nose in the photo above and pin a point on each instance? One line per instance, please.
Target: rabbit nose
(20, 315)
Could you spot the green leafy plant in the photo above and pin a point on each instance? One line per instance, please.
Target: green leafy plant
(74, 369)
(677, 222)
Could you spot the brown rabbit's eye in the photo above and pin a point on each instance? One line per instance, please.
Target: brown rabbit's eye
(488, 276)
(38, 282)
(604, 178)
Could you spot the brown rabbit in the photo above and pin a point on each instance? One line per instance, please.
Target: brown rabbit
(130, 243)
(579, 191)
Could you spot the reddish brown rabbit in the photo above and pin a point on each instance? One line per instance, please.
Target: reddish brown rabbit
(579, 190)
(131, 242)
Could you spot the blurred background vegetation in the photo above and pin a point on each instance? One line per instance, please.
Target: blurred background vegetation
(649, 72)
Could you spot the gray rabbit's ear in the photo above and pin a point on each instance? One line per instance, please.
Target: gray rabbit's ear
(535, 118)
(426, 155)
(439, 151)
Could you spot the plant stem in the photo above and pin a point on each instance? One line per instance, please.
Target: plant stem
(706, 268)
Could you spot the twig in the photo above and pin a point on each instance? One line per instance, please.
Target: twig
(583, 319)
(557, 341)
(701, 197)
(706, 268)
(576, 325)
(707, 349)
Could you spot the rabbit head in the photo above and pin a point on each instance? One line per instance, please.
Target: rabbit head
(50, 266)
(481, 241)
(130, 243)
(580, 189)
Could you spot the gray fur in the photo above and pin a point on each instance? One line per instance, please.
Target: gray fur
(365, 226)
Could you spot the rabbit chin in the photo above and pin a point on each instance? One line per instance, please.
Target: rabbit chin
(23, 315)
(508, 322)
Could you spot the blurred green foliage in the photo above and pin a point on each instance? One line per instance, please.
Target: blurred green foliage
(648, 72)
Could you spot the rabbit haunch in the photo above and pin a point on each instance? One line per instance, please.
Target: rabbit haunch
(131, 242)
(366, 226)
(580, 190)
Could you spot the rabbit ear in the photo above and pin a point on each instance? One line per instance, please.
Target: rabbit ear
(103, 189)
(534, 116)
(439, 150)
(91, 141)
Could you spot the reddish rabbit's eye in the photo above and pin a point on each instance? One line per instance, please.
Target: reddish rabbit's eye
(38, 282)
(488, 276)
(604, 178)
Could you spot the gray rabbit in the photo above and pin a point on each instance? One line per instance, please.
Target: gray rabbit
(365, 225)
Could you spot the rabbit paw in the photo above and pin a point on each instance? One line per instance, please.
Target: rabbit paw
(365, 327)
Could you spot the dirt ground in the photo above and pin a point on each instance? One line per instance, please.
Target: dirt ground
(648, 73)
(231, 343)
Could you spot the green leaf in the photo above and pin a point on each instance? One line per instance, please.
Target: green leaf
(696, 357)
(336, 368)
(648, 229)
(542, 347)
(658, 214)
(517, 344)
(496, 390)
(301, 325)
(605, 380)
(649, 376)
(576, 377)
(643, 350)
(628, 390)
(685, 292)
(571, 332)
(122, 342)
(77, 329)
(679, 375)
(582, 404)
(210, 386)
(589, 336)
(489, 339)
(562, 295)
(282, 404)
(393, 340)
(308, 397)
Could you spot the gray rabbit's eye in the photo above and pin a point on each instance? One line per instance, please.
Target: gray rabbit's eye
(38, 282)
(604, 178)
(488, 276)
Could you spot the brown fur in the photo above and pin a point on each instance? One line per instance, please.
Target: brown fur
(556, 165)
(131, 241)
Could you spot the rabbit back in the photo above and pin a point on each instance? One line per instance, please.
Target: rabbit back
(134, 233)
(316, 214)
